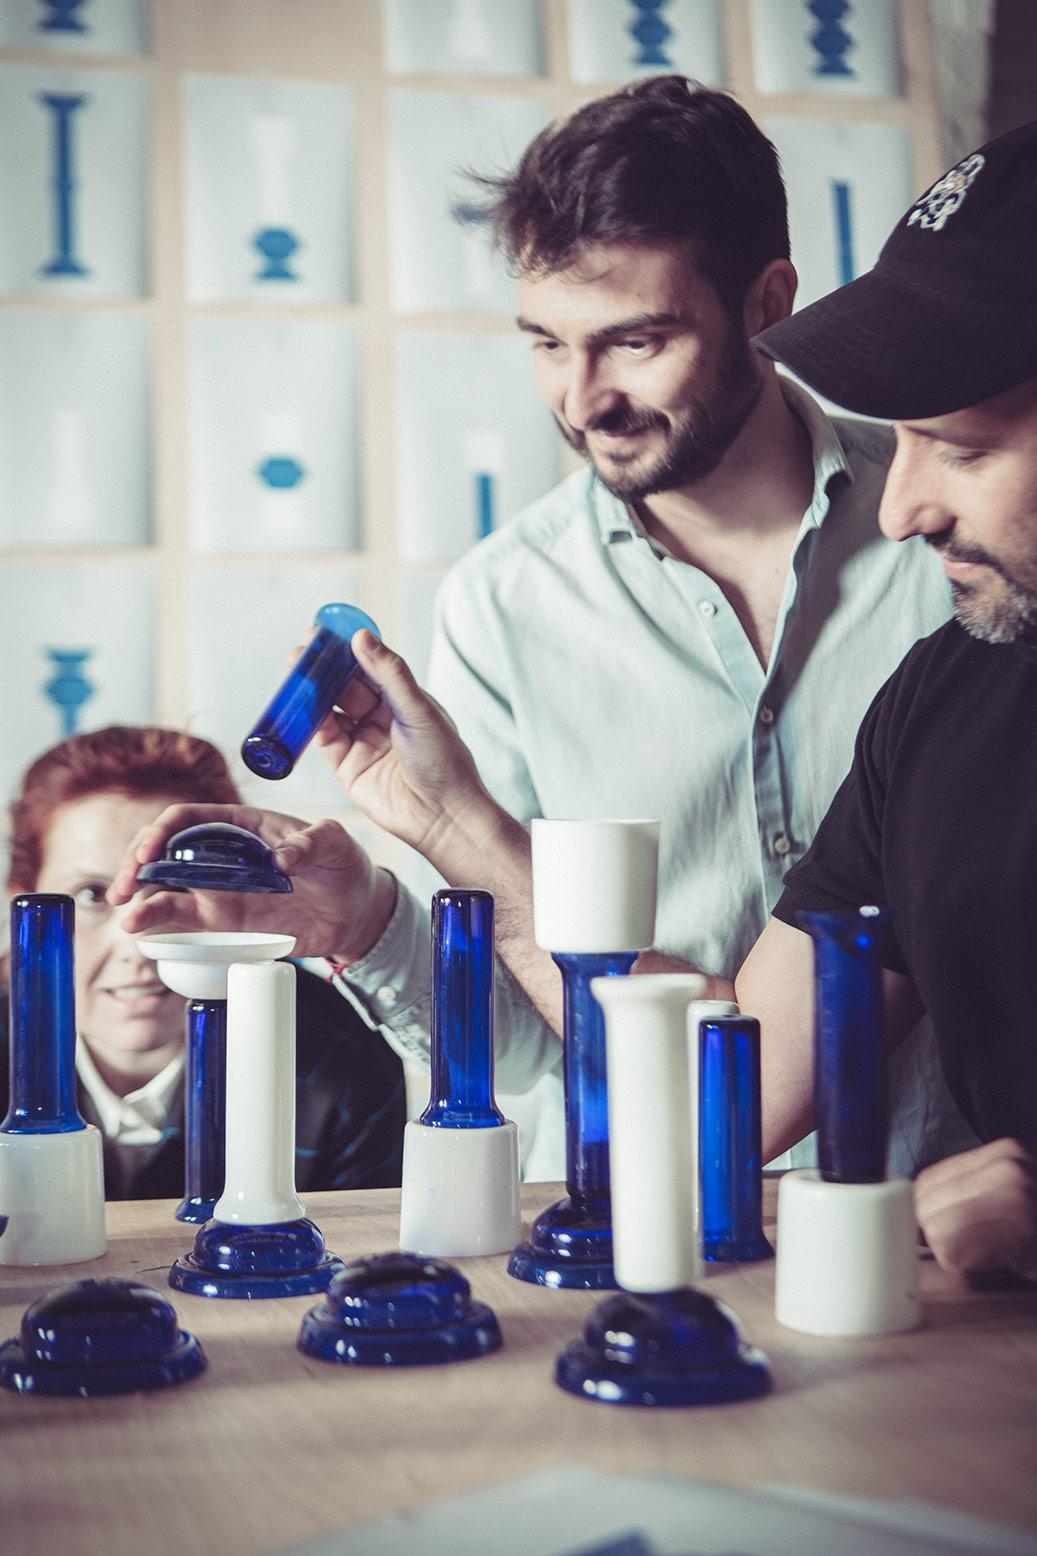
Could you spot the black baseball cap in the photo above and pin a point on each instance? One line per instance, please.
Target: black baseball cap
(948, 316)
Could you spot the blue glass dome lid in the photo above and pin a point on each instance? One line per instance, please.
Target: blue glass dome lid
(95, 1337)
(216, 856)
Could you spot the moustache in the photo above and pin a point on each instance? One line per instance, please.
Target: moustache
(970, 555)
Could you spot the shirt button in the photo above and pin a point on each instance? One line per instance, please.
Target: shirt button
(387, 995)
(782, 844)
(707, 608)
(766, 715)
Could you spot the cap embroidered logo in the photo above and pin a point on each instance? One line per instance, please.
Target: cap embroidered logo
(935, 208)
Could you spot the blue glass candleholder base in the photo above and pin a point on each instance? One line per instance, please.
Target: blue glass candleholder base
(570, 1246)
(676, 1348)
(195, 1211)
(284, 1259)
(99, 1337)
(399, 1310)
(746, 1250)
(215, 856)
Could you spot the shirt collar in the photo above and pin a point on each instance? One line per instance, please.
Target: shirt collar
(142, 1111)
(617, 521)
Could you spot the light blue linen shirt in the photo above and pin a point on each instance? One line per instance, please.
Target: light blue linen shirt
(594, 675)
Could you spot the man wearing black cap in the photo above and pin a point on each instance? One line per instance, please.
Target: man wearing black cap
(936, 819)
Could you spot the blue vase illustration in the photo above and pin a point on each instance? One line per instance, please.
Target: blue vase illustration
(651, 32)
(830, 39)
(68, 688)
(60, 16)
(62, 106)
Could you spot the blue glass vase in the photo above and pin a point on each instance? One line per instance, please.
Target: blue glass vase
(307, 695)
(43, 1017)
(571, 1242)
(850, 1100)
(205, 1107)
(730, 1140)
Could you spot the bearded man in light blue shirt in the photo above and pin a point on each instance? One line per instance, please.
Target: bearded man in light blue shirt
(689, 628)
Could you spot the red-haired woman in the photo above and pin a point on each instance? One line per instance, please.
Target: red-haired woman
(79, 806)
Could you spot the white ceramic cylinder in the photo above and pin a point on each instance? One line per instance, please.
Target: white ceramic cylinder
(259, 1188)
(847, 1261)
(654, 1246)
(195, 963)
(594, 884)
(52, 1193)
(460, 1192)
(700, 1010)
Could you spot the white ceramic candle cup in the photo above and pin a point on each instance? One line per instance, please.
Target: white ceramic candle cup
(460, 1192)
(594, 884)
(52, 1193)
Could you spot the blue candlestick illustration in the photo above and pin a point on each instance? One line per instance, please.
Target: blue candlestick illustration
(68, 688)
(307, 695)
(651, 32)
(61, 16)
(844, 230)
(730, 1140)
(830, 39)
(63, 106)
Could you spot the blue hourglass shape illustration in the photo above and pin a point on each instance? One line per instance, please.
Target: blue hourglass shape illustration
(308, 693)
(259, 1243)
(731, 1140)
(594, 886)
(460, 1159)
(51, 1170)
(847, 1251)
(659, 1341)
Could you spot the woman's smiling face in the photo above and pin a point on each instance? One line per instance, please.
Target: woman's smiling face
(130, 1021)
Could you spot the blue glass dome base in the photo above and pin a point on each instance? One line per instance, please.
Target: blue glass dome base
(399, 1310)
(215, 856)
(282, 1259)
(96, 1337)
(680, 1348)
(570, 1247)
(195, 1211)
(749, 1250)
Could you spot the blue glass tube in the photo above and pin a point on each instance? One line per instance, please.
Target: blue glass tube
(43, 1017)
(307, 695)
(205, 1109)
(730, 1140)
(571, 1242)
(850, 1103)
(462, 1012)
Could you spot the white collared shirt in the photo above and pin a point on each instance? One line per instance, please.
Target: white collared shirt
(139, 1118)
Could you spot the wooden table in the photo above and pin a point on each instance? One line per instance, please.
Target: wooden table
(269, 1446)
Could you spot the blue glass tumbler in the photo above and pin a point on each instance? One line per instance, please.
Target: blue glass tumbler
(308, 693)
(460, 1194)
(571, 1242)
(731, 1140)
(850, 1100)
(205, 1108)
(43, 1017)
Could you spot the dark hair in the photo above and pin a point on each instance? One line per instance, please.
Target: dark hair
(121, 759)
(662, 161)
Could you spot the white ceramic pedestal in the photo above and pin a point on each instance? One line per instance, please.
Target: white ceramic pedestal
(460, 1193)
(594, 885)
(52, 1193)
(195, 963)
(847, 1256)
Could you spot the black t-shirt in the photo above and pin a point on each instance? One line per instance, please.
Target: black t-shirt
(937, 821)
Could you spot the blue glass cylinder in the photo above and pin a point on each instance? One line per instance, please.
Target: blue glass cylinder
(571, 1242)
(308, 694)
(462, 1012)
(850, 1100)
(731, 1140)
(205, 1109)
(43, 1017)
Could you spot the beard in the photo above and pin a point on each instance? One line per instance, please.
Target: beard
(695, 440)
(1009, 618)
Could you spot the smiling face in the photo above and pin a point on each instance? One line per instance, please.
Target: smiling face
(648, 375)
(130, 1022)
(967, 482)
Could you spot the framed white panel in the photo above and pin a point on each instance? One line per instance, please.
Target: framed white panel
(416, 594)
(848, 185)
(243, 624)
(269, 190)
(463, 37)
(77, 655)
(72, 202)
(853, 52)
(74, 26)
(475, 442)
(619, 40)
(75, 428)
(273, 440)
(438, 258)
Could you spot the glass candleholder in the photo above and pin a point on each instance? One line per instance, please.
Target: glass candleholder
(308, 693)
(215, 856)
(731, 1141)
